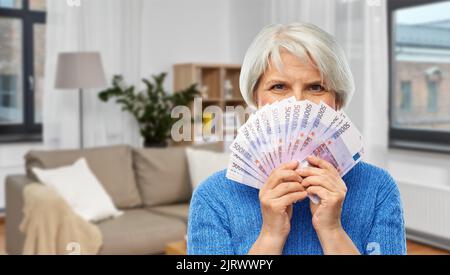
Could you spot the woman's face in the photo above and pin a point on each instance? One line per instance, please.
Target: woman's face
(298, 78)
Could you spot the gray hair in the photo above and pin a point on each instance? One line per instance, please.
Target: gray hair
(305, 41)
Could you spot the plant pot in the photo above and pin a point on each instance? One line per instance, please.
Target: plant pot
(150, 144)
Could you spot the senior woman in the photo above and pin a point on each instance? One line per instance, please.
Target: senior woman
(360, 213)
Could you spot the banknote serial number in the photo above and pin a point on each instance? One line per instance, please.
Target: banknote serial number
(224, 265)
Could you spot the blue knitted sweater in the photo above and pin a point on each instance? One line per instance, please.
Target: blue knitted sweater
(225, 216)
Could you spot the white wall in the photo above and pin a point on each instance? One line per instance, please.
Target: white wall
(247, 18)
(175, 31)
(184, 31)
(198, 31)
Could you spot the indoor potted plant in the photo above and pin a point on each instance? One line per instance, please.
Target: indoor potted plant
(151, 108)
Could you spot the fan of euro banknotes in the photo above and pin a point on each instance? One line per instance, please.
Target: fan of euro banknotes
(293, 130)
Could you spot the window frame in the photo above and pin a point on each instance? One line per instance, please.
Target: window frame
(415, 139)
(28, 130)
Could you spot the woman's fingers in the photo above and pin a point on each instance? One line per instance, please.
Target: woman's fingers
(329, 174)
(288, 165)
(315, 161)
(278, 176)
(291, 198)
(319, 181)
(310, 171)
(285, 188)
(319, 191)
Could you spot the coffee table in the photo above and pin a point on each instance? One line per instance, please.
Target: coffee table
(176, 248)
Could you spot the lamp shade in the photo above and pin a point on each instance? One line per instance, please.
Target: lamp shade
(79, 70)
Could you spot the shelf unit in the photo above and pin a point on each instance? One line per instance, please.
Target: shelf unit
(212, 80)
(212, 76)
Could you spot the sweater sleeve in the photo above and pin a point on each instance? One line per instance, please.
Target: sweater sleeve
(208, 233)
(387, 234)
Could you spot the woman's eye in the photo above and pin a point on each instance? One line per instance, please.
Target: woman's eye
(316, 88)
(278, 87)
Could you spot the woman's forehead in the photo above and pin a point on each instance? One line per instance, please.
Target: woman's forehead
(292, 67)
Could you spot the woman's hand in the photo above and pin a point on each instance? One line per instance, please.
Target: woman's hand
(324, 181)
(282, 189)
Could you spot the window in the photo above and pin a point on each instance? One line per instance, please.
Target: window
(8, 99)
(405, 104)
(22, 55)
(432, 96)
(419, 71)
(12, 4)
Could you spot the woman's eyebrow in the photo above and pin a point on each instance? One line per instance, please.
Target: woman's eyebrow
(281, 80)
(314, 82)
(275, 80)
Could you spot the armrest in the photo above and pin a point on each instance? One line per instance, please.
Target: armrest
(14, 212)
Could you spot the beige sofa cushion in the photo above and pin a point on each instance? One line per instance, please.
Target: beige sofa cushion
(139, 231)
(179, 211)
(111, 165)
(162, 175)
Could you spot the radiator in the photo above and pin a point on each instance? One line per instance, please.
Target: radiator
(427, 213)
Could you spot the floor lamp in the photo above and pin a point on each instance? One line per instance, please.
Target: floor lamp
(78, 71)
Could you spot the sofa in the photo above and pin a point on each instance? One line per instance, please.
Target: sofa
(151, 186)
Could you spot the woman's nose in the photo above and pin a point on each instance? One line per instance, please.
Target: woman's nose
(298, 93)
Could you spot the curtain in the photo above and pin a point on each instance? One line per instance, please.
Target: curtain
(113, 28)
(360, 26)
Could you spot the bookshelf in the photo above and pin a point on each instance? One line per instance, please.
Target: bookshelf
(218, 84)
(212, 77)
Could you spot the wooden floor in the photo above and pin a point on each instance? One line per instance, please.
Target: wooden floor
(413, 247)
(420, 249)
(2, 236)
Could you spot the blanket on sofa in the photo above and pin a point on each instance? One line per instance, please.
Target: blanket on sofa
(52, 228)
